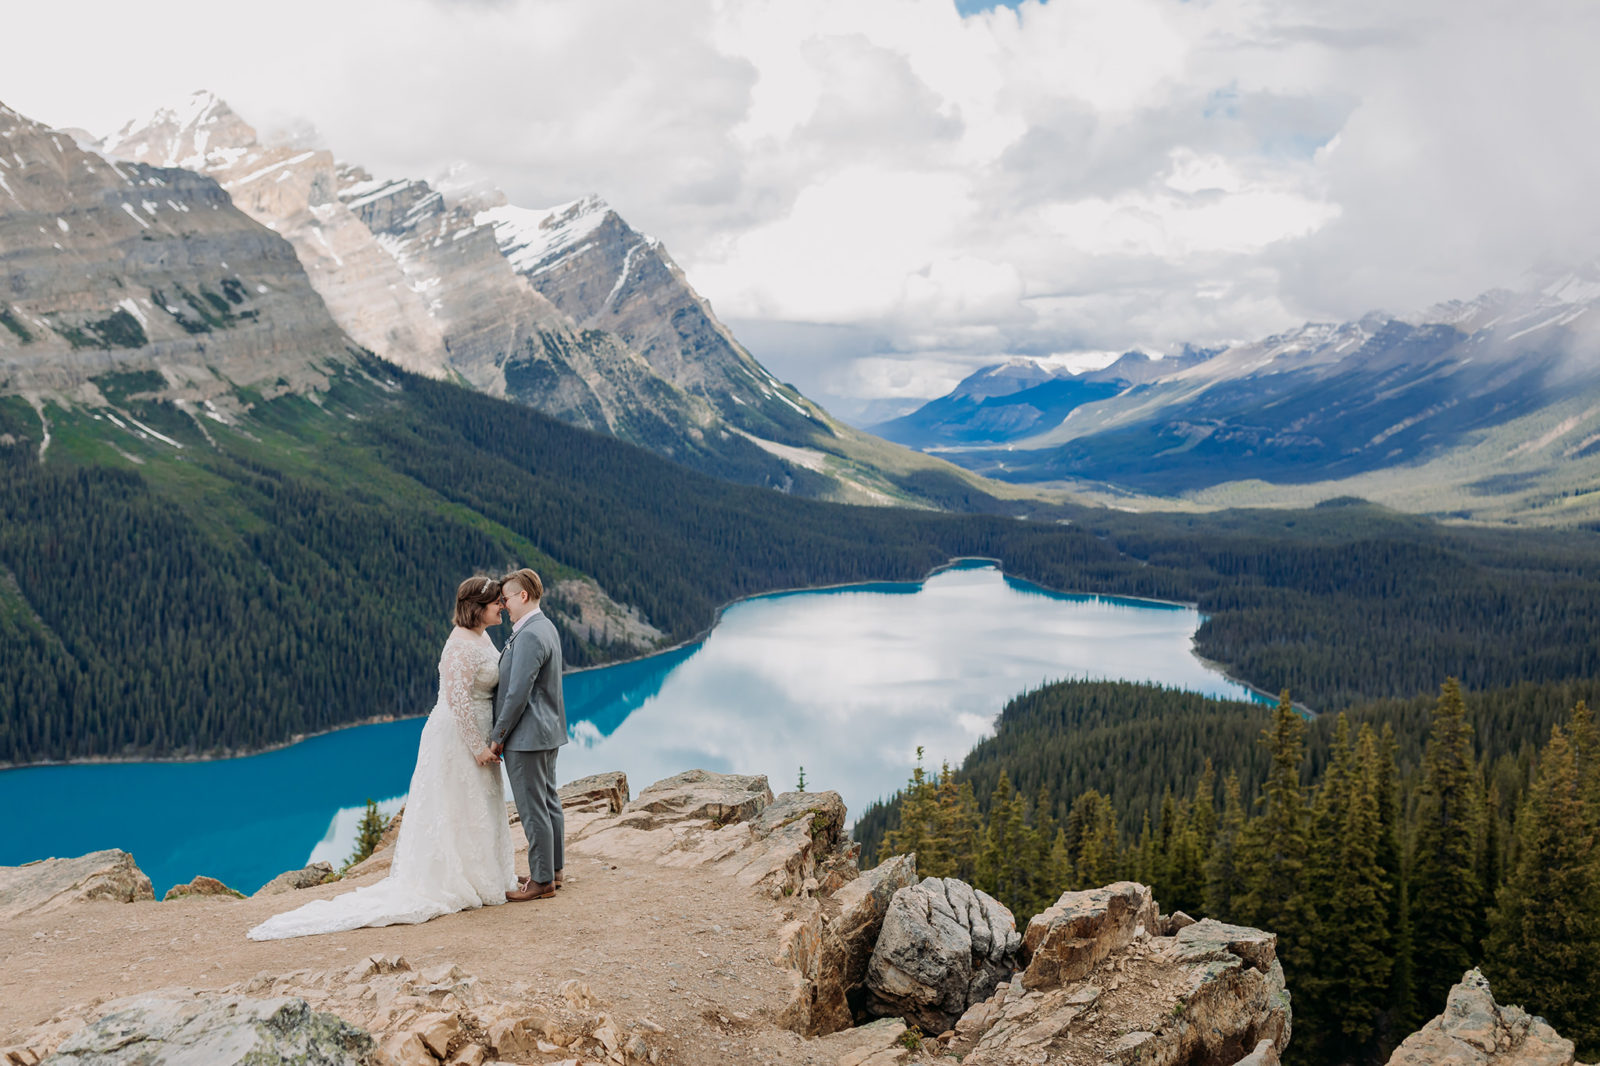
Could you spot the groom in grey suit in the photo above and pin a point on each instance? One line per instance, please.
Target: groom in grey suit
(530, 725)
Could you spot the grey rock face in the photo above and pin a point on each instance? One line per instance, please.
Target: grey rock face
(848, 939)
(1474, 1030)
(201, 886)
(290, 880)
(110, 267)
(1210, 995)
(1066, 941)
(54, 883)
(413, 275)
(217, 1031)
(944, 946)
(605, 792)
(294, 190)
(700, 795)
(606, 275)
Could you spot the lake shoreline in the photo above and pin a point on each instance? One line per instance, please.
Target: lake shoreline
(698, 638)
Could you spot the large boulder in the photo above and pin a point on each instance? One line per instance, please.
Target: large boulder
(169, 1030)
(201, 886)
(831, 945)
(699, 795)
(1114, 990)
(1474, 1030)
(318, 873)
(1072, 936)
(944, 946)
(727, 821)
(605, 793)
(52, 883)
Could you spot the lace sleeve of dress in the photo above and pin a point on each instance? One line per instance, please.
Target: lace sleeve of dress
(456, 670)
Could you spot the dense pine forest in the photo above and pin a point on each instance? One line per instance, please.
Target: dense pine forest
(1390, 847)
(291, 572)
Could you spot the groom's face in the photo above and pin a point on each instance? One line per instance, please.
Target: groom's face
(517, 600)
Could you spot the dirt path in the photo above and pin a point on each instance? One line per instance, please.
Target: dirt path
(687, 951)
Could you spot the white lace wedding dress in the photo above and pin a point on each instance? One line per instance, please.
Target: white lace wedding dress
(454, 851)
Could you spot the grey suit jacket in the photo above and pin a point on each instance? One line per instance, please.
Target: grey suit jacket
(529, 713)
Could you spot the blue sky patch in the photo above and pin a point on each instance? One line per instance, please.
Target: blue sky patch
(978, 7)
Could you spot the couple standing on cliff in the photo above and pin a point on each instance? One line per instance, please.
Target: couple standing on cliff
(454, 852)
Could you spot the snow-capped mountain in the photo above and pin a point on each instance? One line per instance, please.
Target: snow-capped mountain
(1507, 384)
(119, 267)
(608, 276)
(420, 279)
(1018, 398)
(568, 309)
(293, 189)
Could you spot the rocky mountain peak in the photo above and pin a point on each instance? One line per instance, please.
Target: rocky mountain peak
(536, 240)
(199, 133)
(116, 266)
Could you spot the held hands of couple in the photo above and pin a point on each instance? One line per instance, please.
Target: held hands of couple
(488, 756)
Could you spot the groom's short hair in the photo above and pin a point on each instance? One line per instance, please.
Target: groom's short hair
(528, 580)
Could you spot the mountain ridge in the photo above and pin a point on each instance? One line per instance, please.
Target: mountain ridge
(567, 309)
(1486, 409)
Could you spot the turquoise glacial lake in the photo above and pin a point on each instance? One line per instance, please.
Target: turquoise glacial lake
(846, 682)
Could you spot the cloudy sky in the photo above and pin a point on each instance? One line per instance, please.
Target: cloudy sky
(881, 195)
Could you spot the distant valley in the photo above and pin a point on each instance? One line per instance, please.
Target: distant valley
(1487, 409)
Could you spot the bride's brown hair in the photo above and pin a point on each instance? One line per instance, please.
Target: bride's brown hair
(472, 596)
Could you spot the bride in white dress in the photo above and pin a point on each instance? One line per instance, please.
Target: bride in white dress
(454, 852)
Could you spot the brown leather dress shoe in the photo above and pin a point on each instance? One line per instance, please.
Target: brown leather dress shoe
(525, 880)
(531, 890)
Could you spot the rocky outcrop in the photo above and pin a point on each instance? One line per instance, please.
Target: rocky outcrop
(216, 1030)
(1067, 940)
(851, 934)
(201, 886)
(1112, 989)
(1474, 1030)
(829, 942)
(880, 1043)
(943, 947)
(727, 821)
(53, 883)
(605, 793)
(124, 267)
(317, 873)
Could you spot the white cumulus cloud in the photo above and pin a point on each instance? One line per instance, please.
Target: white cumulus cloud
(881, 195)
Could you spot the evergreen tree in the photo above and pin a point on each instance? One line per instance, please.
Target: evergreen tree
(1363, 965)
(1320, 987)
(957, 827)
(1047, 884)
(1392, 1023)
(1544, 950)
(1447, 908)
(1271, 854)
(1584, 737)
(368, 834)
(1223, 887)
(1099, 855)
(1008, 849)
(918, 830)
(1203, 808)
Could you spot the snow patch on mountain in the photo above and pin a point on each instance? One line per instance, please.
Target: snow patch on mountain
(534, 238)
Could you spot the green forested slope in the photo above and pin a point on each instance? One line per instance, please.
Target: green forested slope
(292, 572)
(1390, 847)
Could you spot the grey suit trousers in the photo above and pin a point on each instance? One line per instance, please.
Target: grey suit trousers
(533, 786)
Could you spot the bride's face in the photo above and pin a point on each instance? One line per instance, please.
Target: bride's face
(490, 615)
